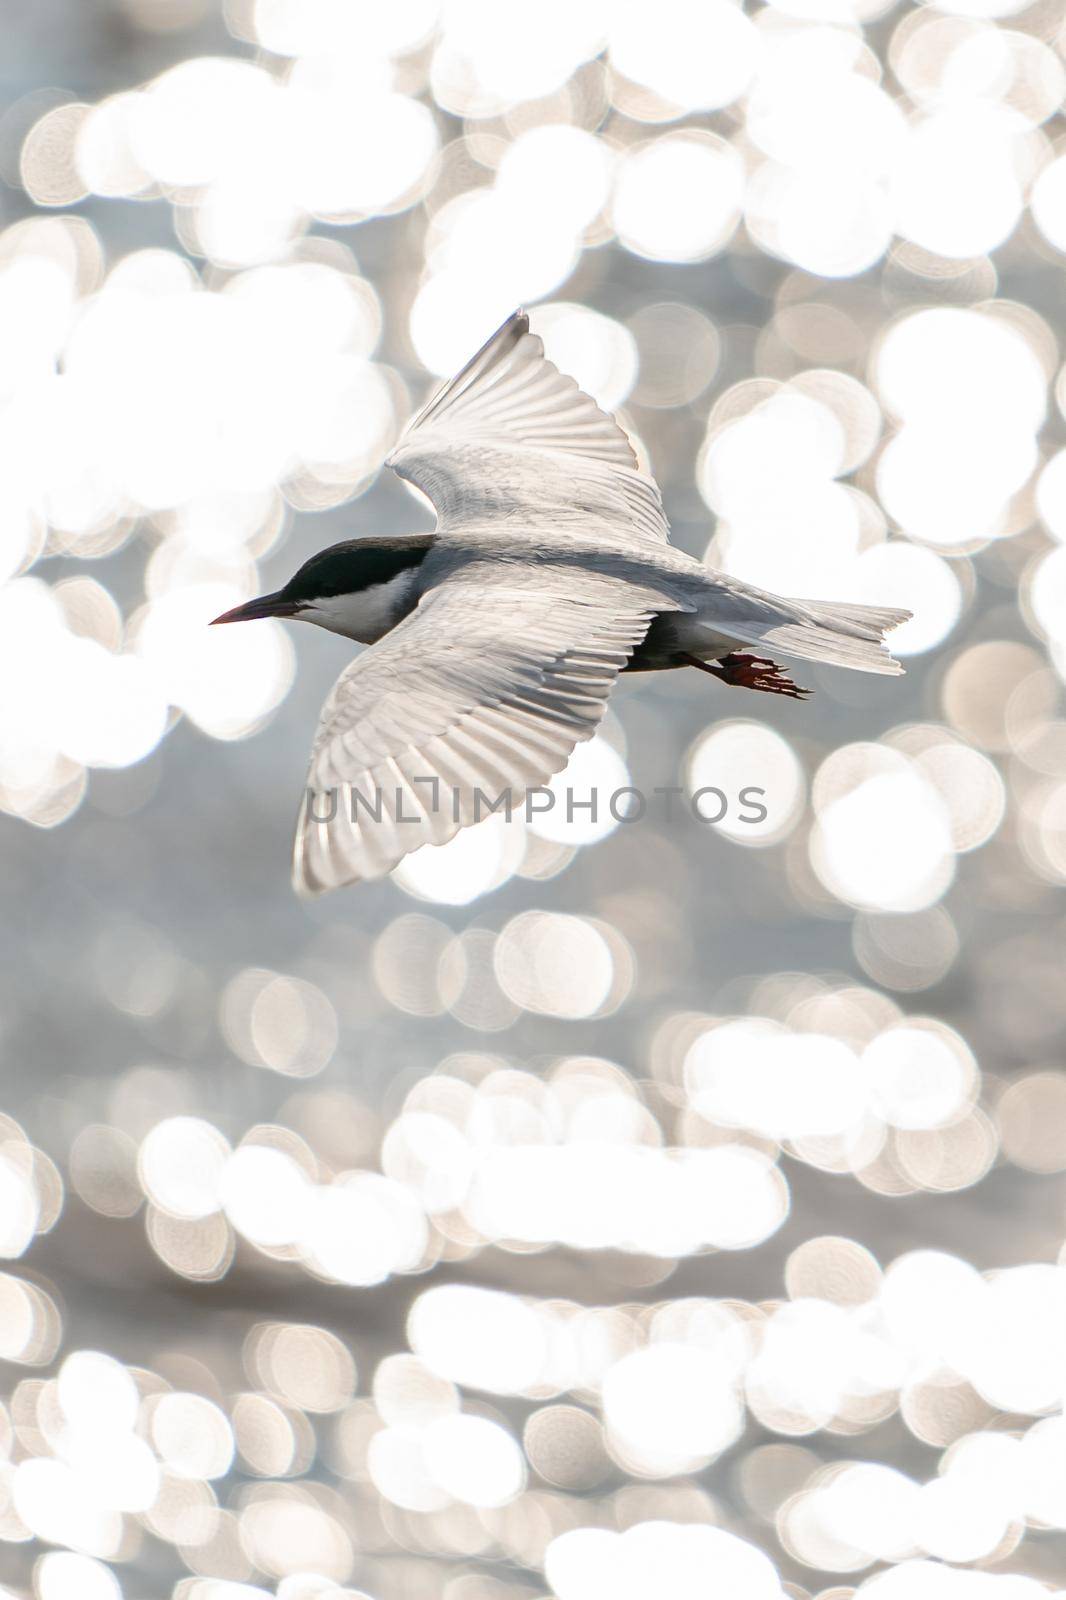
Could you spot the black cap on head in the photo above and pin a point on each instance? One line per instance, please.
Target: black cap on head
(356, 564)
(345, 568)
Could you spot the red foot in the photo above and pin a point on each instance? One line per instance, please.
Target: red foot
(751, 672)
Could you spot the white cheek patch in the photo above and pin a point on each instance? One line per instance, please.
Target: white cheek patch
(368, 614)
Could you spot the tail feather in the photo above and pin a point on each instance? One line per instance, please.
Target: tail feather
(836, 632)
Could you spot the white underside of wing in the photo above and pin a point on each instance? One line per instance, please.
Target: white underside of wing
(485, 689)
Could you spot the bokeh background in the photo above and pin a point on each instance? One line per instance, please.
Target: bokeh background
(597, 1210)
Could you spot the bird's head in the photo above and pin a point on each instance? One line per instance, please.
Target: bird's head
(360, 588)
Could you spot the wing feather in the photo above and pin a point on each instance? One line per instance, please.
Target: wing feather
(510, 387)
(486, 686)
(512, 437)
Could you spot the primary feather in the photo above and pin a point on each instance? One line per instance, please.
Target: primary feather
(510, 439)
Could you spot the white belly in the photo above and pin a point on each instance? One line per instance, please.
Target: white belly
(677, 633)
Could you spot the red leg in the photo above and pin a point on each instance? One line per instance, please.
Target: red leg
(750, 672)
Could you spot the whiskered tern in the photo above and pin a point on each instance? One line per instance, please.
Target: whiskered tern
(497, 638)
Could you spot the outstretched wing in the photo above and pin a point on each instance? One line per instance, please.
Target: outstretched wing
(512, 442)
(487, 686)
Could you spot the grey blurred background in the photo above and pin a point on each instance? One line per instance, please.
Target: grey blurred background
(593, 1207)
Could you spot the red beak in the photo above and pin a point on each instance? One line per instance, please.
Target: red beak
(266, 605)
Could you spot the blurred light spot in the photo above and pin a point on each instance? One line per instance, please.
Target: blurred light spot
(585, 791)
(733, 1197)
(431, 1157)
(50, 1498)
(671, 1408)
(1046, 584)
(282, 1023)
(407, 1392)
(907, 952)
(560, 965)
(770, 1473)
(406, 961)
(47, 167)
(191, 1435)
(867, 1512)
(478, 70)
(900, 574)
(266, 1196)
(19, 1201)
(470, 988)
(813, 1360)
(103, 151)
(565, 1446)
(679, 351)
(920, 1076)
(307, 1366)
(980, 685)
(939, 1412)
(750, 758)
(397, 1467)
(363, 1228)
(64, 1575)
(226, 679)
(652, 210)
(686, 1562)
(98, 1401)
(696, 54)
(1011, 1356)
(971, 392)
(574, 168)
(816, 201)
(30, 1324)
(200, 1248)
(264, 1436)
(474, 1460)
(1030, 1116)
(755, 1075)
(932, 1581)
(476, 861)
(286, 1531)
(957, 187)
(181, 1163)
(293, 28)
(478, 1337)
(914, 861)
(948, 1158)
(829, 1268)
(185, 1512)
(970, 786)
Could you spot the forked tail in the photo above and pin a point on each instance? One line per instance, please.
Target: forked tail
(836, 632)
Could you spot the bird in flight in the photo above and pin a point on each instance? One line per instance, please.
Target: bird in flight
(496, 640)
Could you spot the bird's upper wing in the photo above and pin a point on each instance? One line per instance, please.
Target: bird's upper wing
(487, 685)
(512, 443)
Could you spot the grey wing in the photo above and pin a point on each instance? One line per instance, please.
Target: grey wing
(512, 442)
(485, 686)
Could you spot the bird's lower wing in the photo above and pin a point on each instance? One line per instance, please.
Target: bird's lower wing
(485, 689)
